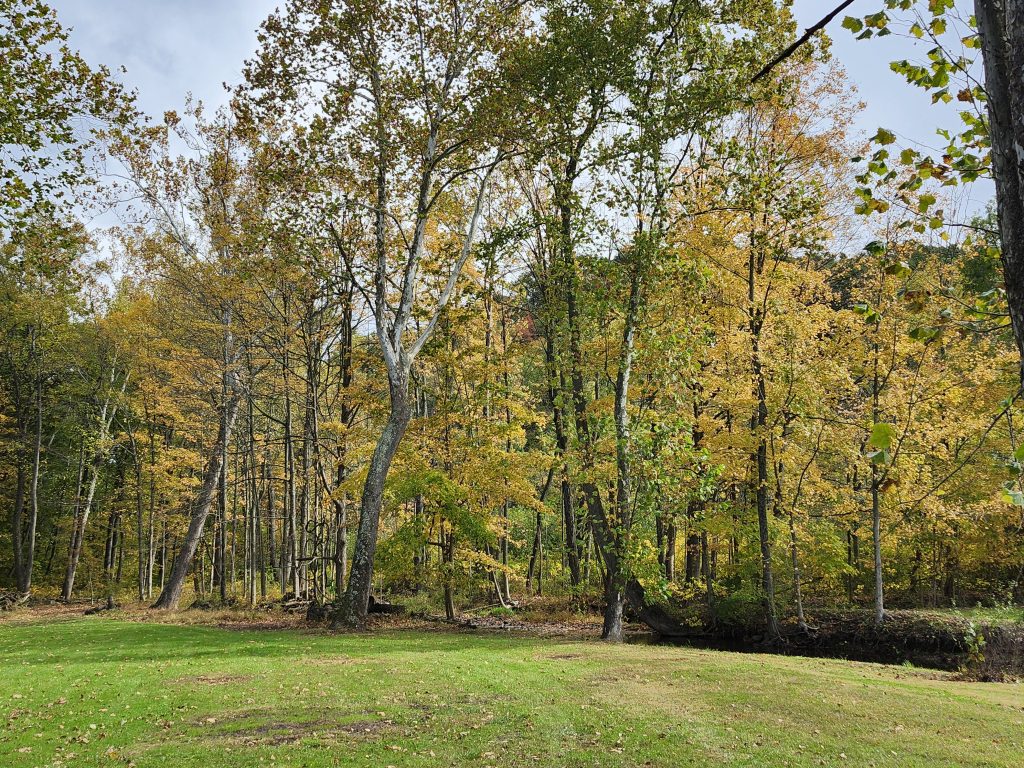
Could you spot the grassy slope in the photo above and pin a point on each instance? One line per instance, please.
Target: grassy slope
(110, 692)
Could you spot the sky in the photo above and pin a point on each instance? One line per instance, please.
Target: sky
(169, 47)
(174, 47)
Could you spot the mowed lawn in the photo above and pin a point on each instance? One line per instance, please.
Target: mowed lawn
(103, 692)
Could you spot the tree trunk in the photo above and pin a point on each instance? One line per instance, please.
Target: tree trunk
(614, 601)
(29, 552)
(572, 548)
(106, 417)
(693, 556)
(1001, 29)
(151, 546)
(272, 550)
(759, 425)
(290, 543)
(171, 593)
(268, 489)
(694, 540)
(761, 496)
(357, 594)
(876, 544)
(794, 556)
(505, 586)
(139, 515)
(78, 531)
(341, 544)
(536, 555)
(220, 555)
(876, 505)
(17, 515)
(707, 560)
(447, 564)
(618, 529)
(604, 539)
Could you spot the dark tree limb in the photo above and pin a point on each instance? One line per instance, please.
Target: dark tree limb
(808, 33)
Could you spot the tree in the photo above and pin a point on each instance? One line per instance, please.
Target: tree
(992, 121)
(1000, 24)
(620, 98)
(47, 93)
(41, 272)
(201, 206)
(415, 88)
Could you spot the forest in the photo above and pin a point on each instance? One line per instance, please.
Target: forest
(513, 383)
(463, 303)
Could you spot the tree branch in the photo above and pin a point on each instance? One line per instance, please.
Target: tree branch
(808, 33)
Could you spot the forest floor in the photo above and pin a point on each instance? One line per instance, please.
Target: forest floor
(118, 690)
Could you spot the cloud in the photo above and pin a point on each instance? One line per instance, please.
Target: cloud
(169, 47)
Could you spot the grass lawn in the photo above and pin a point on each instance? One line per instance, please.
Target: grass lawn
(1009, 615)
(106, 692)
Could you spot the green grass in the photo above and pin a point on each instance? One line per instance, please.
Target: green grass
(104, 692)
(1008, 615)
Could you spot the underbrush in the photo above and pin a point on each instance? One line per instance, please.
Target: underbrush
(985, 649)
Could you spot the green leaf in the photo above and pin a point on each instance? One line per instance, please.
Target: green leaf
(1013, 496)
(878, 20)
(881, 435)
(884, 137)
(853, 24)
(879, 457)
(924, 333)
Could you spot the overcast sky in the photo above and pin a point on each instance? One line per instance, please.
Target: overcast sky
(173, 47)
